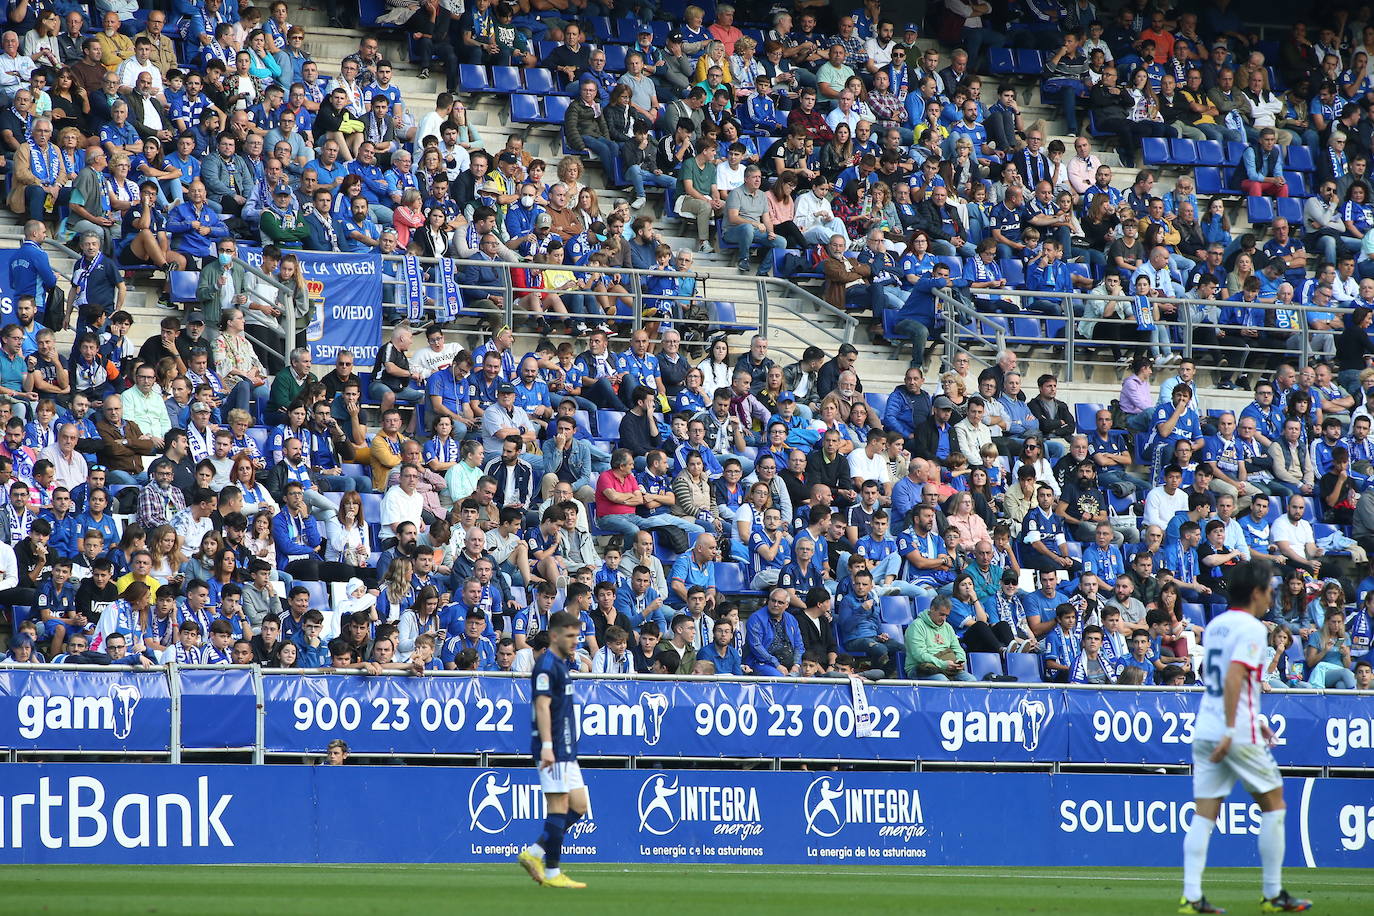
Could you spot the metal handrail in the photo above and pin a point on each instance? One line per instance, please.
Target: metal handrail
(957, 331)
(635, 290)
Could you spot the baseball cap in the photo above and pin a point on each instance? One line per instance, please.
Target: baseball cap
(675, 36)
(200, 407)
(543, 220)
(508, 157)
(195, 318)
(282, 189)
(505, 389)
(942, 403)
(644, 30)
(910, 27)
(787, 396)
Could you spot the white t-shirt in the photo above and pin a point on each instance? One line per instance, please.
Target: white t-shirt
(1235, 636)
(728, 179)
(875, 468)
(1297, 534)
(399, 507)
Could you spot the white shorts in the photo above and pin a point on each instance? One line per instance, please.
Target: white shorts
(1252, 764)
(564, 776)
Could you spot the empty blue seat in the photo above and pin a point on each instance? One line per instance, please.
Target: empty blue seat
(506, 80)
(615, 57)
(1001, 61)
(1297, 184)
(259, 436)
(1029, 62)
(896, 609)
(608, 423)
(1155, 150)
(1208, 179)
(730, 579)
(1086, 416)
(981, 664)
(556, 109)
(1235, 151)
(538, 81)
(473, 78)
(1290, 208)
(319, 594)
(1259, 209)
(1209, 152)
(1182, 152)
(876, 400)
(1024, 666)
(1298, 158)
(372, 507)
(184, 286)
(524, 109)
(1194, 614)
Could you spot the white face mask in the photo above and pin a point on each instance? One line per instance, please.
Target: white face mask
(527, 200)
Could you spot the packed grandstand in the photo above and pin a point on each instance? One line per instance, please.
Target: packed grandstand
(587, 427)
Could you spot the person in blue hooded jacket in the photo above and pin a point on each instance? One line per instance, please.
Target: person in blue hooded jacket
(916, 317)
(773, 642)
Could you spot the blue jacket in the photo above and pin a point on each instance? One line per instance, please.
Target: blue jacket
(905, 411)
(288, 549)
(190, 242)
(520, 221)
(857, 621)
(758, 631)
(478, 282)
(318, 239)
(920, 303)
(375, 187)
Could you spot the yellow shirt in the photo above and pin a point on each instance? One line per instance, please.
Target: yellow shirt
(115, 49)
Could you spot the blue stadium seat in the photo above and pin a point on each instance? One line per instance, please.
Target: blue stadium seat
(981, 664)
(524, 109)
(1024, 666)
(1086, 416)
(184, 286)
(1029, 62)
(538, 81)
(608, 423)
(1290, 208)
(730, 579)
(627, 30)
(1298, 158)
(556, 109)
(1297, 184)
(1235, 151)
(1195, 614)
(1001, 61)
(1209, 180)
(1155, 151)
(1182, 152)
(722, 317)
(896, 609)
(18, 615)
(1014, 271)
(615, 57)
(876, 399)
(372, 508)
(584, 421)
(474, 78)
(1259, 209)
(1209, 152)
(259, 436)
(506, 80)
(602, 29)
(319, 594)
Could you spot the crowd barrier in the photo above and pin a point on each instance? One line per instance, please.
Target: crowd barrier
(165, 814)
(102, 711)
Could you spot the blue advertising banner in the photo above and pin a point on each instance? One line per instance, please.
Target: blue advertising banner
(161, 814)
(1006, 725)
(90, 710)
(618, 718)
(218, 709)
(345, 292)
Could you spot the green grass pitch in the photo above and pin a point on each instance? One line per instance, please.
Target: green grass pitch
(344, 890)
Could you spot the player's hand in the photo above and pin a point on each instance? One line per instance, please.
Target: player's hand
(546, 758)
(1222, 749)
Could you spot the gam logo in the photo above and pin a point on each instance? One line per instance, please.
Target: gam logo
(113, 712)
(1022, 725)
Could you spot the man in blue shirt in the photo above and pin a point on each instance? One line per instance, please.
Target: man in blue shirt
(1049, 274)
(1006, 222)
(1042, 543)
(697, 567)
(860, 624)
(1171, 423)
(773, 641)
(721, 651)
(474, 623)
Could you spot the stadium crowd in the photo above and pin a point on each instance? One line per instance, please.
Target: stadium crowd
(192, 497)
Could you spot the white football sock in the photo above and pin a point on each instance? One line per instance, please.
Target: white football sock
(551, 873)
(1271, 843)
(535, 850)
(1195, 855)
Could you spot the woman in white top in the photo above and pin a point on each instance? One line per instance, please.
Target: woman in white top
(348, 538)
(715, 368)
(164, 544)
(255, 495)
(421, 617)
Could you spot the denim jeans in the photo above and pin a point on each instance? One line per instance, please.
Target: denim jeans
(743, 236)
(625, 524)
(920, 336)
(638, 178)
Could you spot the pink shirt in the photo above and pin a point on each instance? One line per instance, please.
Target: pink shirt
(609, 480)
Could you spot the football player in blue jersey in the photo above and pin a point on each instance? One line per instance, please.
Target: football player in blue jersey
(553, 716)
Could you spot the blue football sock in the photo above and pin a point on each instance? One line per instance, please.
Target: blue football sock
(553, 849)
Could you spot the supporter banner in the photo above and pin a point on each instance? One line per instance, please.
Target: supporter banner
(345, 292)
(218, 709)
(99, 710)
(162, 814)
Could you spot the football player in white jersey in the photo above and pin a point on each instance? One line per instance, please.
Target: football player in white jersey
(1232, 742)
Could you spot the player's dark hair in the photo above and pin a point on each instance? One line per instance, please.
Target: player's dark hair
(1247, 579)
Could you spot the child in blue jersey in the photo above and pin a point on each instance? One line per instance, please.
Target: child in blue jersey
(1142, 656)
(610, 570)
(553, 741)
(55, 599)
(188, 650)
(1061, 643)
